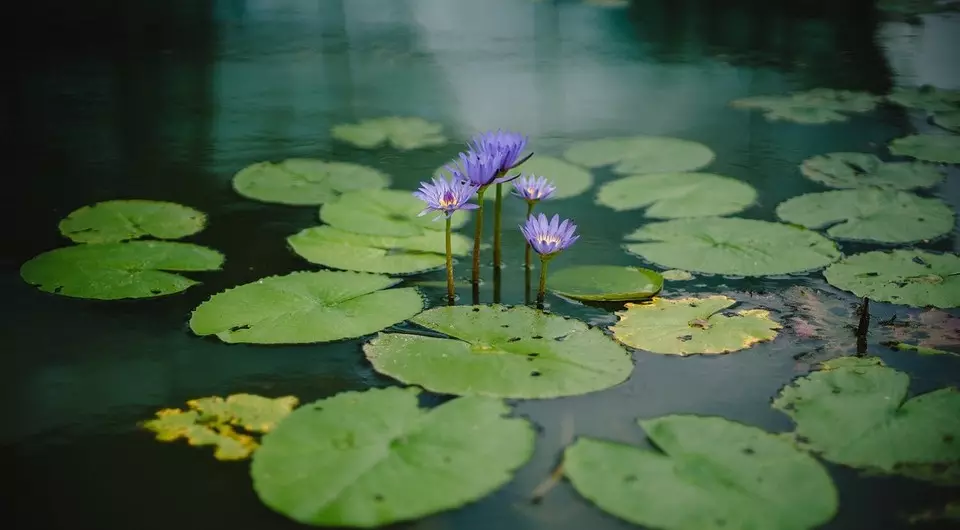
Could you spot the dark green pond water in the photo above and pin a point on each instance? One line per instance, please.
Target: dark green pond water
(167, 100)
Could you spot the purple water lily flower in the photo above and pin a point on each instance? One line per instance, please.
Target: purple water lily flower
(446, 196)
(549, 237)
(532, 188)
(477, 168)
(504, 144)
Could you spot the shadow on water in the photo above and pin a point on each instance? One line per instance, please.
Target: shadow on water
(167, 100)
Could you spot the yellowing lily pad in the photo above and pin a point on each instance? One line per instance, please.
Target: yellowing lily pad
(858, 170)
(214, 421)
(337, 249)
(930, 147)
(385, 213)
(870, 214)
(910, 277)
(641, 154)
(399, 132)
(605, 283)
(113, 221)
(692, 325)
(304, 181)
(860, 416)
(675, 195)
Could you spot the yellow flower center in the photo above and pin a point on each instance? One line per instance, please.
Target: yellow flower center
(548, 238)
(448, 200)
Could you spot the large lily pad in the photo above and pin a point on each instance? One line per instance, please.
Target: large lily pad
(909, 277)
(857, 170)
(641, 154)
(516, 352)
(870, 214)
(387, 213)
(112, 271)
(925, 97)
(948, 120)
(692, 325)
(605, 283)
(721, 245)
(365, 459)
(214, 421)
(306, 307)
(675, 195)
(819, 105)
(399, 132)
(304, 181)
(930, 147)
(330, 247)
(705, 473)
(858, 415)
(569, 179)
(113, 221)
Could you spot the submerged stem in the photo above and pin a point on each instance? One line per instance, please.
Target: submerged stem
(450, 292)
(476, 237)
(541, 292)
(497, 209)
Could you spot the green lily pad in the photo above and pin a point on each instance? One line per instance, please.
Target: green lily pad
(366, 459)
(857, 170)
(113, 221)
(721, 245)
(569, 179)
(910, 277)
(820, 105)
(605, 283)
(704, 473)
(306, 307)
(676, 275)
(692, 325)
(925, 97)
(870, 214)
(859, 416)
(386, 213)
(330, 247)
(675, 195)
(400, 133)
(214, 420)
(515, 352)
(930, 147)
(948, 120)
(112, 271)
(641, 154)
(304, 181)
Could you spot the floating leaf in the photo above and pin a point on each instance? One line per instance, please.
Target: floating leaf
(306, 307)
(820, 105)
(211, 421)
(641, 154)
(909, 277)
(859, 416)
(929, 333)
(605, 283)
(111, 271)
(569, 179)
(676, 275)
(386, 213)
(948, 120)
(856, 170)
(304, 181)
(870, 214)
(674, 195)
(692, 325)
(516, 352)
(113, 221)
(929, 147)
(721, 245)
(399, 132)
(925, 97)
(330, 247)
(706, 473)
(365, 459)
(950, 512)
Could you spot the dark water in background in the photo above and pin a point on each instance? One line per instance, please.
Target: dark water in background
(167, 100)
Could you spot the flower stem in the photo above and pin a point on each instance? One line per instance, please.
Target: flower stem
(543, 281)
(476, 237)
(526, 251)
(497, 209)
(451, 295)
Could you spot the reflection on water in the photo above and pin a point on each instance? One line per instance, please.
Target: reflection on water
(167, 100)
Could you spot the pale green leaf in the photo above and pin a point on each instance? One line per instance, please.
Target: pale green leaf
(113, 221)
(399, 132)
(641, 154)
(949, 120)
(605, 283)
(816, 106)
(304, 182)
(674, 195)
(909, 277)
(857, 170)
(384, 213)
(930, 147)
(924, 97)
